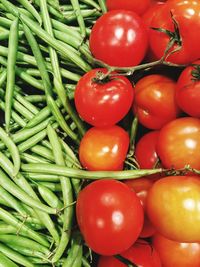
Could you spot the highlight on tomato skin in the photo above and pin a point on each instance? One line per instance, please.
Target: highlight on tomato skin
(177, 254)
(109, 215)
(141, 254)
(173, 207)
(119, 32)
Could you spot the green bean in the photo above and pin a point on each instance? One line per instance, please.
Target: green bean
(91, 3)
(35, 98)
(27, 5)
(6, 262)
(33, 158)
(78, 260)
(26, 104)
(83, 174)
(44, 152)
(3, 75)
(15, 256)
(102, 4)
(12, 202)
(74, 252)
(49, 197)
(85, 263)
(79, 17)
(22, 182)
(33, 72)
(12, 57)
(70, 16)
(20, 226)
(54, 3)
(6, 229)
(13, 189)
(55, 187)
(13, 150)
(26, 220)
(42, 177)
(23, 242)
(66, 193)
(31, 60)
(53, 54)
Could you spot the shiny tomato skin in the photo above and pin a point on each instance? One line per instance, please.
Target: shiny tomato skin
(187, 15)
(188, 92)
(110, 216)
(103, 104)
(176, 254)
(141, 253)
(119, 38)
(104, 148)
(178, 143)
(154, 103)
(145, 150)
(141, 187)
(173, 206)
(138, 7)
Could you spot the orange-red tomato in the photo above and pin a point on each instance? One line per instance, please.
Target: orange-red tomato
(154, 102)
(173, 206)
(176, 254)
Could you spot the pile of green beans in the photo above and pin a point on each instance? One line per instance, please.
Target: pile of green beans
(43, 53)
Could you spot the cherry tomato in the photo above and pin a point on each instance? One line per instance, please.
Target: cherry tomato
(137, 6)
(145, 150)
(119, 38)
(187, 16)
(104, 148)
(177, 254)
(154, 102)
(110, 216)
(188, 90)
(179, 143)
(173, 206)
(141, 253)
(141, 187)
(103, 103)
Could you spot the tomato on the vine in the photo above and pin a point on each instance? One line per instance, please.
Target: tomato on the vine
(103, 103)
(110, 216)
(154, 103)
(188, 90)
(186, 15)
(141, 253)
(177, 254)
(141, 187)
(104, 148)
(119, 38)
(173, 206)
(178, 143)
(136, 6)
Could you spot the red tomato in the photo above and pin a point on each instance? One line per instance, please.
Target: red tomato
(137, 6)
(104, 149)
(179, 143)
(187, 15)
(154, 102)
(141, 187)
(177, 254)
(119, 38)
(173, 206)
(103, 104)
(188, 91)
(145, 150)
(110, 216)
(141, 253)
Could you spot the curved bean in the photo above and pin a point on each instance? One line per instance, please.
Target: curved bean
(6, 262)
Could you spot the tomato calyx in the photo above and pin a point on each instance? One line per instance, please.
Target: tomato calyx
(195, 72)
(102, 78)
(125, 261)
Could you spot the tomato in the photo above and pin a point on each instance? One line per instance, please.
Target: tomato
(173, 206)
(177, 254)
(103, 103)
(187, 15)
(154, 102)
(145, 150)
(138, 7)
(110, 216)
(179, 143)
(141, 253)
(119, 38)
(104, 148)
(141, 187)
(188, 91)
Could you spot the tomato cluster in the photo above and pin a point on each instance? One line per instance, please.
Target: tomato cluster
(116, 218)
